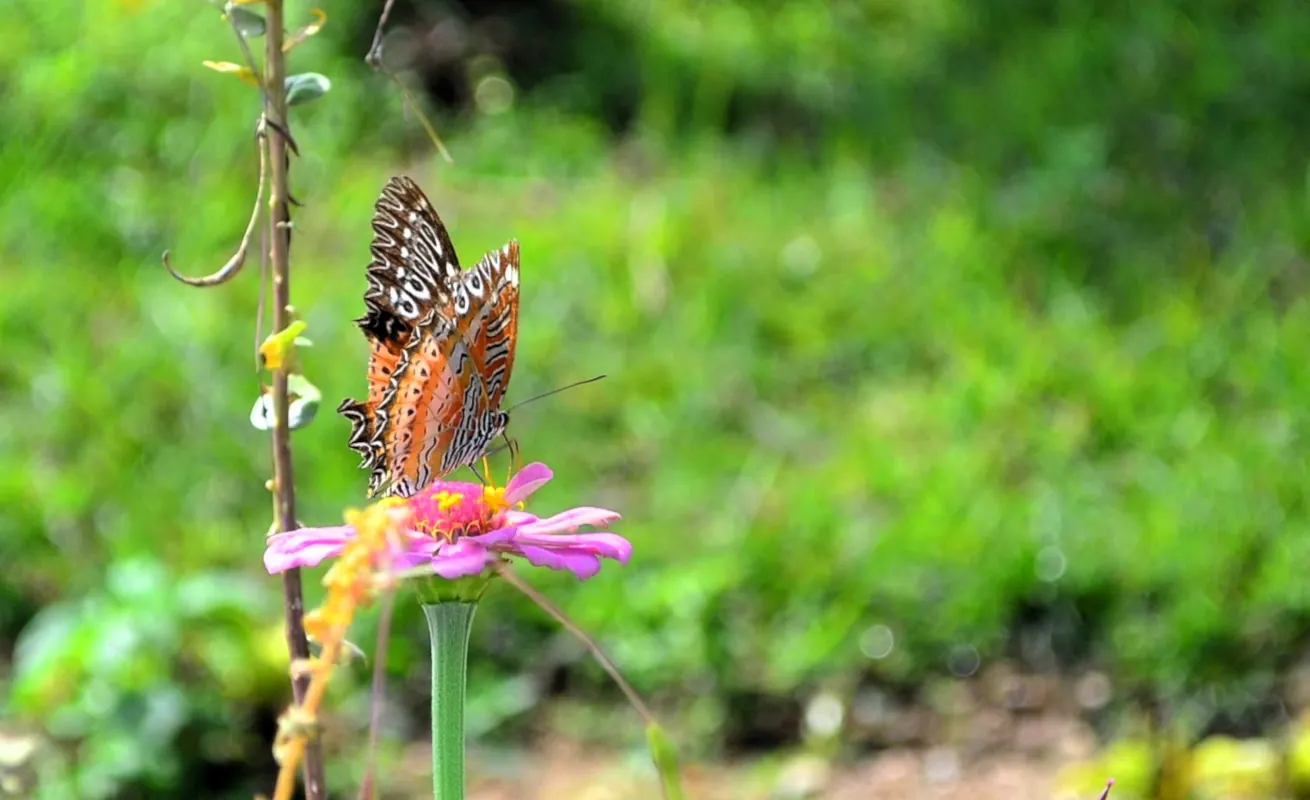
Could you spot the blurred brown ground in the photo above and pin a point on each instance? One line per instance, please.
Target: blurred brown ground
(569, 773)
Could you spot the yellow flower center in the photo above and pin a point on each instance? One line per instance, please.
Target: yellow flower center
(451, 509)
(447, 500)
(493, 497)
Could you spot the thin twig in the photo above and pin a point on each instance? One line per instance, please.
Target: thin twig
(378, 690)
(600, 655)
(374, 57)
(422, 118)
(374, 60)
(279, 231)
(259, 307)
(669, 785)
(229, 270)
(250, 58)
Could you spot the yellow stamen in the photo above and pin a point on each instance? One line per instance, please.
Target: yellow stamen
(447, 500)
(494, 498)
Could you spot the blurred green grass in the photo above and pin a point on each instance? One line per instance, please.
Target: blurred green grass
(1039, 376)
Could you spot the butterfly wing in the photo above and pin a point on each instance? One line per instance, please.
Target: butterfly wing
(489, 337)
(422, 404)
(413, 266)
(492, 287)
(457, 414)
(413, 263)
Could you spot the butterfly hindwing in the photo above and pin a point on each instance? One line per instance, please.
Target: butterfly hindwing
(486, 303)
(469, 368)
(493, 290)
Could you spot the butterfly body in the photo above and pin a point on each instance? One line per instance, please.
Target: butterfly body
(442, 343)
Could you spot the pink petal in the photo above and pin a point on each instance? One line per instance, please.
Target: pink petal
(516, 518)
(492, 537)
(584, 565)
(528, 480)
(609, 545)
(404, 562)
(305, 547)
(571, 520)
(416, 550)
(464, 557)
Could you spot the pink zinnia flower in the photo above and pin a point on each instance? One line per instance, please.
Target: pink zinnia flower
(461, 528)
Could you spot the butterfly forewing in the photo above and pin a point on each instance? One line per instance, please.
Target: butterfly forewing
(413, 264)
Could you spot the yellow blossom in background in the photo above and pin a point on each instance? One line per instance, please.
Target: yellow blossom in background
(356, 577)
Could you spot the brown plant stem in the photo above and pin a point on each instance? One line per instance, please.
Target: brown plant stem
(279, 234)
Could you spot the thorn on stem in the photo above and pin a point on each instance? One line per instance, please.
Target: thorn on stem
(286, 134)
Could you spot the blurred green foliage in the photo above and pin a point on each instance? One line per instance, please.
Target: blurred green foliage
(983, 322)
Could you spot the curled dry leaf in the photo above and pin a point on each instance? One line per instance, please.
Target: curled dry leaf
(246, 74)
(320, 19)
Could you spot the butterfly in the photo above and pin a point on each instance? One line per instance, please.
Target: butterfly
(441, 347)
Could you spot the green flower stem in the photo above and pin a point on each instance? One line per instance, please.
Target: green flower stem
(449, 624)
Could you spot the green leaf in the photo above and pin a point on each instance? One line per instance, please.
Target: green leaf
(246, 74)
(300, 412)
(247, 21)
(261, 416)
(665, 756)
(306, 86)
(304, 401)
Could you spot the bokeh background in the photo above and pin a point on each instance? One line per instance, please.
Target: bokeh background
(957, 399)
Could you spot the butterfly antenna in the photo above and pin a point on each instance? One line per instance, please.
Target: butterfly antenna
(514, 456)
(535, 398)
